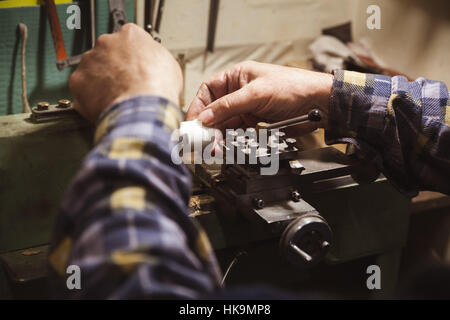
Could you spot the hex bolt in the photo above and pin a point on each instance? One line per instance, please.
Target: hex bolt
(241, 141)
(41, 106)
(232, 134)
(280, 134)
(295, 195)
(291, 142)
(258, 203)
(64, 103)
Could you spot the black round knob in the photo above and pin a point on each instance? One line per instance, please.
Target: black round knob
(306, 240)
(315, 115)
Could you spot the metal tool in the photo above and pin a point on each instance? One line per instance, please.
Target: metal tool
(118, 14)
(92, 18)
(159, 14)
(44, 112)
(149, 24)
(276, 202)
(212, 24)
(117, 9)
(148, 17)
(61, 55)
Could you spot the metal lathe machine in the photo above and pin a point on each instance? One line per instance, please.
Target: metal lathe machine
(310, 227)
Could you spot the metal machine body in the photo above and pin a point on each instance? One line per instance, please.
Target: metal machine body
(366, 220)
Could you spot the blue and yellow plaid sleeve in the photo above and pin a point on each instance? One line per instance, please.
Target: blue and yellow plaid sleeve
(404, 127)
(124, 219)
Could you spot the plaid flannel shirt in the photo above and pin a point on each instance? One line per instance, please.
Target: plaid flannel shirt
(402, 126)
(124, 219)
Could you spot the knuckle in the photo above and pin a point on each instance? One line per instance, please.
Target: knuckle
(73, 80)
(84, 58)
(247, 63)
(102, 40)
(128, 27)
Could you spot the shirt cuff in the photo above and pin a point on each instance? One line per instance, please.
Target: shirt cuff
(358, 109)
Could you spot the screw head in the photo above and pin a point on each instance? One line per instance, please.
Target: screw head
(258, 203)
(295, 196)
(64, 103)
(280, 134)
(41, 106)
(291, 143)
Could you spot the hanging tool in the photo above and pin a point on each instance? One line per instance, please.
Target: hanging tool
(61, 55)
(119, 18)
(92, 18)
(23, 39)
(159, 15)
(149, 24)
(212, 25)
(148, 18)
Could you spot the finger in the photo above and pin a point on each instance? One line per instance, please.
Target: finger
(200, 102)
(225, 82)
(239, 102)
(215, 87)
(233, 123)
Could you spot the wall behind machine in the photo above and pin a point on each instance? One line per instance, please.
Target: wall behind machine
(44, 81)
(413, 38)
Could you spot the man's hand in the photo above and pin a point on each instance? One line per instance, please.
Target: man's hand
(250, 92)
(122, 65)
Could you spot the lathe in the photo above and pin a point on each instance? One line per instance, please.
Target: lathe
(310, 210)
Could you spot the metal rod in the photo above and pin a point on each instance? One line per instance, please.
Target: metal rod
(92, 16)
(212, 25)
(148, 17)
(305, 256)
(159, 15)
(287, 122)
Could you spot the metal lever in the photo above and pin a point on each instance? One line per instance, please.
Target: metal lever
(313, 116)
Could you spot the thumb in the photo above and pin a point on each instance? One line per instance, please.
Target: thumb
(238, 102)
